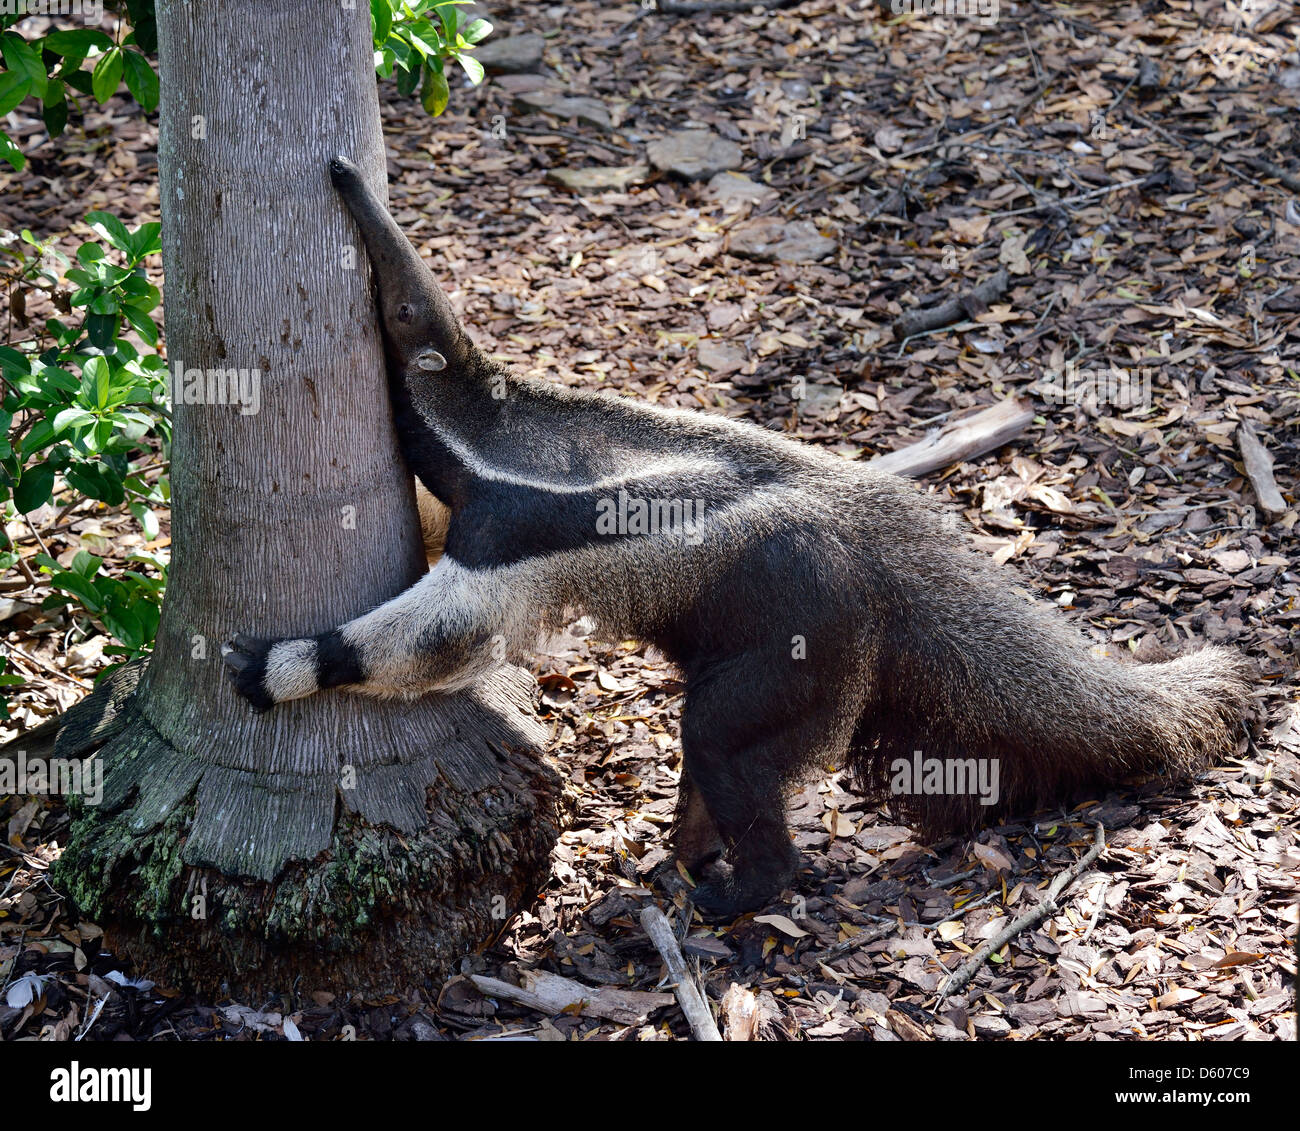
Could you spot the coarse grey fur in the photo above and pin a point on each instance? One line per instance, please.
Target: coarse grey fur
(820, 611)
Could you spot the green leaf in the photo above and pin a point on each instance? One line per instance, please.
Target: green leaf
(86, 564)
(137, 291)
(143, 325)
(22, 58)
(54, 380)
(381, 16)
(107, 75)
(111, 229)
(408, 79)
(55, 110)
(71, 418)
(11, 153)
(14, 87)
(41, 435)
(435, 94)
(105, 303)
(477, 31)
(418, 35)
(97, 481)
(146, 240)
(86, 388)
(101, 437)
(450, 17)
(123, 621)
(34, 488)
(102, 383)
(141, 80)
(76, 42)
(85, 592)
(473, 68)
(13, 363)
(101, 329)
(78, 80)
(147, 519)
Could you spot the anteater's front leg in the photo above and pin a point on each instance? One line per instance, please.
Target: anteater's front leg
(442, 634)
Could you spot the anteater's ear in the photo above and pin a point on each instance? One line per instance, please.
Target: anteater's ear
(430, 361)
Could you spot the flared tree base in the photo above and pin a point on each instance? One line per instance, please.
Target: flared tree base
(376, 912)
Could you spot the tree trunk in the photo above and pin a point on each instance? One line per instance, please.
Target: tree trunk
(347, 843)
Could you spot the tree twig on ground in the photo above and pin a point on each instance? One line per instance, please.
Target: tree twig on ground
(864, 936)
(967, 305)
(689, 995)
(1267, 167)
(958, 980)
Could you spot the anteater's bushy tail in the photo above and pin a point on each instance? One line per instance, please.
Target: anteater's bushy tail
(988, 682)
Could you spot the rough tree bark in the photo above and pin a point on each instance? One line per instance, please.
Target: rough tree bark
(342, 842)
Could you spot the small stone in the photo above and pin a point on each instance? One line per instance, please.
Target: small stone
(775, 238)
(599, 178)
(820, 400)
(721, 357)
(1231, 561)
(989, 1025)
(589, 111)
(511, 55)
(735, 190)
(515, 85)
(694, 155)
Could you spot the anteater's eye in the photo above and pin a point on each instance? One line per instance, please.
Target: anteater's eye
(405, 312)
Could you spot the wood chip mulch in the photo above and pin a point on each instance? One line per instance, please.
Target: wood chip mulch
(1133, 168)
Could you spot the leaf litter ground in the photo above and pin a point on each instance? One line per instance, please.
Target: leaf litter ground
(1134, 173)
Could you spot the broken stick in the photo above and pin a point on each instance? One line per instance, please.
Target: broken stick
(958, 980)
(864, 936)
(1258, 461)
(963, 439)
(973, 302)
(689, 996)
(552, 995)
(1269, 169)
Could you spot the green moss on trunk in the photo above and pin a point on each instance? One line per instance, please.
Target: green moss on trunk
(376, 912)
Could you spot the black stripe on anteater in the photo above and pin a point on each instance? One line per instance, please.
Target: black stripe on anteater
(337, 661)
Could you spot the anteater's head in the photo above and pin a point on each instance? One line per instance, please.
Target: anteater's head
(420, 327)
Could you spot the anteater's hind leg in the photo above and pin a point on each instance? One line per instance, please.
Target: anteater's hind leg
(744, 735)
